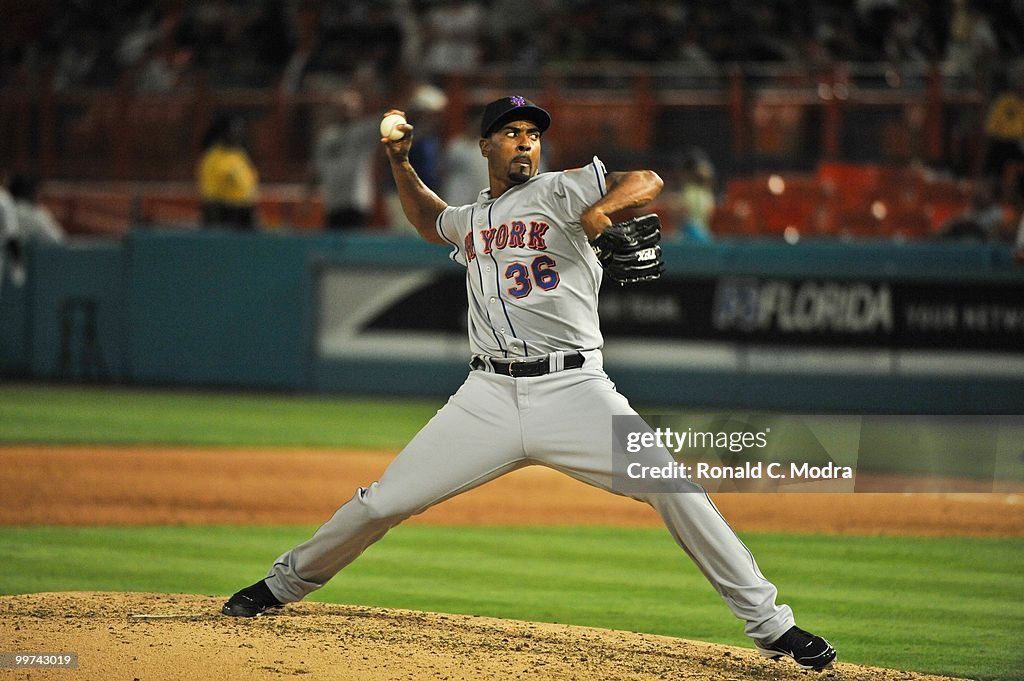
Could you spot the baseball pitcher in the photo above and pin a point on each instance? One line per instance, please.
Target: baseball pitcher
(535, 247)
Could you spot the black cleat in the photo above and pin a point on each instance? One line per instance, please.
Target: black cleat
(252, 601)
(809, 651)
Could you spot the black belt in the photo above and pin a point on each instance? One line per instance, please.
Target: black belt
(521, 368)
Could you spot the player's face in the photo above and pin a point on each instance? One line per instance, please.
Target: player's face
(513, 152)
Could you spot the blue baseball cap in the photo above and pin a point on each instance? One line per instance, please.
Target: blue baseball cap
(514, 108)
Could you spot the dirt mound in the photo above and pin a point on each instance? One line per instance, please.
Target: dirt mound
(160, 636)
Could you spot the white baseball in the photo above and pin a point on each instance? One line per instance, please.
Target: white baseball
(389, 127)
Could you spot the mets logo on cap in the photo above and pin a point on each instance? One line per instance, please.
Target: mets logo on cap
(516, 100)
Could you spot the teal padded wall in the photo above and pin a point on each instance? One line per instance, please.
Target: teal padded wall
(229, 309)
(219, 308)
(223, 308)
(14, 329)
(59, 276)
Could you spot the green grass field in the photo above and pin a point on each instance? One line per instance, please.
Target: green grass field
(33, 413)
(931, 605)
(948, 606)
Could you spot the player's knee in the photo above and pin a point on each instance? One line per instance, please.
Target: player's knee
(381, 506)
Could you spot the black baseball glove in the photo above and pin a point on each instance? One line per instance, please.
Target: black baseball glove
(629, 251)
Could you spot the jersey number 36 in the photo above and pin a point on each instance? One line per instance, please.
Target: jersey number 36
(542, 269)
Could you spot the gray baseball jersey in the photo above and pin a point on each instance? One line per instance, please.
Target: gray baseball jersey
(532, 279)
(532, 283)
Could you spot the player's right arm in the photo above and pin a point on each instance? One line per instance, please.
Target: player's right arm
(419, 202)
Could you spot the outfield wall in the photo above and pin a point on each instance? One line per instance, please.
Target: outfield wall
(828, 326)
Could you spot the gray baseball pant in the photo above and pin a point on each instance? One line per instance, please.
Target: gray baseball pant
(495, 424)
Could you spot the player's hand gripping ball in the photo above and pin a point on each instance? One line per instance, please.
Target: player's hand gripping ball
(389, 127)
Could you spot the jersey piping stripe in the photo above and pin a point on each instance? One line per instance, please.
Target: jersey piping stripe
(497, 284)
(753, 563)
(440, 231)
(480, 276)
(600, 178)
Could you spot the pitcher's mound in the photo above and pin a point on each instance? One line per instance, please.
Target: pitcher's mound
(171, 636)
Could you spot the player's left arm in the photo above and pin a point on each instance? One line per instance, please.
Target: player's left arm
(630, 189)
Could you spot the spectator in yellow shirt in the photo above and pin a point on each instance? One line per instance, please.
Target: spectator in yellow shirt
(228, 181)
(1004, 130)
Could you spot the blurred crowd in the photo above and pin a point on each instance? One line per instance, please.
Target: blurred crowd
(355, 53)
(161, 45)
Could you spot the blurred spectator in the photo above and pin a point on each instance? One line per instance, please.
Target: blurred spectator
(691, 200)
(465, 168)
(227, 178)
(353, 36)
(691, 52)
(24, 220)
(78, 63)
(453, 29)
(343, 162)
(405, 16)
(834, 38)
(158, 72)
(426, 107)
(972, 45)
(907, 41)
(8, 232)
(150, 51)
(139, 36)
(424, 111)
(521, 45)
(1004, 131)
(983, 220)
(35, 221)
(306, 37)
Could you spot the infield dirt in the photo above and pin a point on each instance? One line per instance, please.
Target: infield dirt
(145, 486)
(168, 636)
